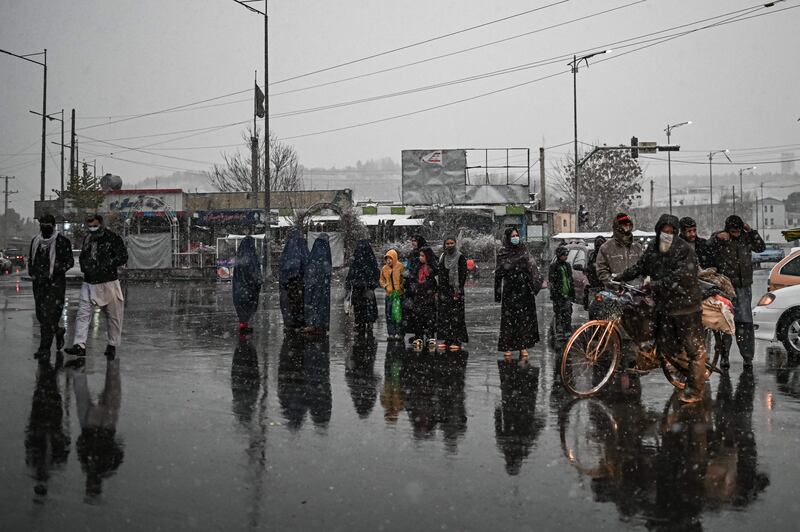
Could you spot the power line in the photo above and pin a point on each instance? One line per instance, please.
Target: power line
(419, 43)
(456, 52)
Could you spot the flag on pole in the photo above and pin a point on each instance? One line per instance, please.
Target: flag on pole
(259, 108)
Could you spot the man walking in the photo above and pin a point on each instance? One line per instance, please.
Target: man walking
(733, 251)
(619, 253)
(671, 264)
(102, 253)
(700, 245)
(49, 258)
(562, 292)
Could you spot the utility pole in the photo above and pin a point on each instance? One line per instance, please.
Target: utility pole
(267, 204)
(542, 189)
(733, 195)
(6, 193)
(652, 197)
(72, 172)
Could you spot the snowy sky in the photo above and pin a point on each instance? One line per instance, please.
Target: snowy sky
(109, 60)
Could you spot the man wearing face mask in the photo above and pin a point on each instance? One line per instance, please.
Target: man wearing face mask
(49, 259)
(672, 267)
(102, 253)
(620, 252)
(733, 251)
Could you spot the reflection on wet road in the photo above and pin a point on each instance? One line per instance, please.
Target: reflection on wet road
(225, 431)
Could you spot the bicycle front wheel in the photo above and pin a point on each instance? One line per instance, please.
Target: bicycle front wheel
(590, 357)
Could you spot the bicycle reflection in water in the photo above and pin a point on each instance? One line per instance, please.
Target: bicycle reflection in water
(668, 468)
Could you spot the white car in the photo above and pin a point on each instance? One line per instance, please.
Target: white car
(74, 275)
(777, 317)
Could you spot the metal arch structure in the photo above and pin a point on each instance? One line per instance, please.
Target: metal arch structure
(170, 215)
(305, 218)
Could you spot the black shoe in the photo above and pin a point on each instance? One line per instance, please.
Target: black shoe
(725, 363)
(76, 350)
(42, 353)
(60, 332)
(748, 363)
(111, 352)
(76, 363)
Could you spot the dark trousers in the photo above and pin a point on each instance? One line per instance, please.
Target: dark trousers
(49, 300)
(685, 333)
(562, 318)
(745, 339)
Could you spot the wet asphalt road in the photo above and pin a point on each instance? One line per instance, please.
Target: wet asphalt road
(213, 432)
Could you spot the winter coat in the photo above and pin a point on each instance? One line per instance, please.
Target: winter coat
(703, 252)
(392, 278)
(63, 260)
(615, 256)
(100, 265)
(734, 257)
(246, 280)
(294, 258)
(555, 281)
(673, 275)
(317, 281)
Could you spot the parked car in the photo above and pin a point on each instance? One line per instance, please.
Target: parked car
(773, 253)
(5, 264)
(16, 257)
(74, 274)
(777, 317)
(785, 273)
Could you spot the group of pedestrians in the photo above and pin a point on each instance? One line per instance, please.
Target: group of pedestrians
(49, 259)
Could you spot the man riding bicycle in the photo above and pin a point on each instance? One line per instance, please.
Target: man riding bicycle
(672, 267)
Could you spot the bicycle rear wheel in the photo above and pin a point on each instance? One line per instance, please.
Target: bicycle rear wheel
(590, 358)
(676, 368)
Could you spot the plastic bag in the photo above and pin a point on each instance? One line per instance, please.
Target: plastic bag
(397, 308)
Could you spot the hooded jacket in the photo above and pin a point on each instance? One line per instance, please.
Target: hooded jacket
(616, 255)
(101, 255)
(734, 257)
(673, 275)
(392, 277)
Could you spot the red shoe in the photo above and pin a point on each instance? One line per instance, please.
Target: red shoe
(243, 325)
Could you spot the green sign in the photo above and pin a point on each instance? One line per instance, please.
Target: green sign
(369, 210)
(398, 210)
(515, 209)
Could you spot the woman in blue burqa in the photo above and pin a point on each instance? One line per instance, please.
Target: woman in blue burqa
(246, 282)
(361, 281)
(318, 287)
(294, 260)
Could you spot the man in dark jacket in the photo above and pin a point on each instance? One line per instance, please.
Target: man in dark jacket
(102, 253)
(620, 252)
(733, 252)
(700, 245)
(49, 258)
(562, 292)
(672, 267)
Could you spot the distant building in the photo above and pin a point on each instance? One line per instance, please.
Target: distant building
(772, 214)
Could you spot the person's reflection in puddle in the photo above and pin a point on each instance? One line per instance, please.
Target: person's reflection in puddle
(304, 383)
(360, 375)
(516, 424)
(317, 374)
(433, 395)
(787, 371)
(392, 392)
(245, 380)
(47, 441)
(99, 449)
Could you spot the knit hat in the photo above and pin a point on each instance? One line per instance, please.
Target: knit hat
(687, 223)
(561, 251)
(734, 222)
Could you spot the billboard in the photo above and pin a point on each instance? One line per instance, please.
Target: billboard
(465, 176)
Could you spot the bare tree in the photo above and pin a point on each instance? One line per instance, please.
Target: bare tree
(235, 173)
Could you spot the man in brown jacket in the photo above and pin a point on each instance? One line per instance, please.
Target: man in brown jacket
(620, 252)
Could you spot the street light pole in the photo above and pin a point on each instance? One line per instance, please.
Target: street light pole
(44, 104)
(741, 189)
(711, 155)
(51, 117)
(574, 64)
(668, 130)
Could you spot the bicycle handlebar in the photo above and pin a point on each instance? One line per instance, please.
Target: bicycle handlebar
(627, 287)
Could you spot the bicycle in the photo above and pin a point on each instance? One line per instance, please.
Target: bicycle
(592, 354)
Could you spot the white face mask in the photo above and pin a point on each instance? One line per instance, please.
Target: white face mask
(93, 229)
(664, 241)
(515, 240)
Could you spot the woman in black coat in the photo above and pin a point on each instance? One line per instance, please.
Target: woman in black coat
(362, 280)
(516, 283)
(424, 283)
(291, 286)
(452, 275)
(246, 282)
(317, 290)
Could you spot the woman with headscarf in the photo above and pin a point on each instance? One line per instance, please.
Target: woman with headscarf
(292, 271)
(452, 275)
(424, 283)
(393, 281)
(412, 266)
(317, 290)
(362, 280)
(246, 282)
(516, 283)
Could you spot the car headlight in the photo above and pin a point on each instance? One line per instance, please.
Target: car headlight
(766, 299)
